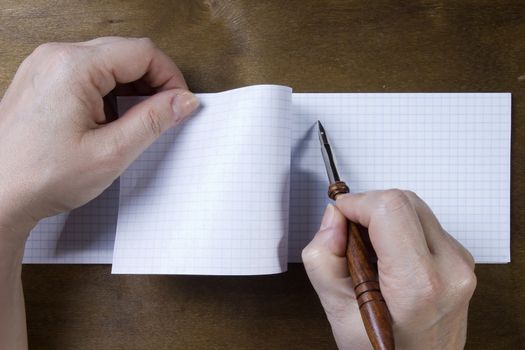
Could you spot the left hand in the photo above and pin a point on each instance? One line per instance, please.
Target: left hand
(57, 150)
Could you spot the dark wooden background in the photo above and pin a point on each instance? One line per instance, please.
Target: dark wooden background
(325, 46)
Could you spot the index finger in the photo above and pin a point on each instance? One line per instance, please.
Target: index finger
(124, 60)
(393, 225)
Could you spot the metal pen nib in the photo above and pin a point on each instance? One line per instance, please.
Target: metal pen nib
(328, 155)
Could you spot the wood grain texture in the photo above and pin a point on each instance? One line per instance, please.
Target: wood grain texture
(372, 306)
(324, 46)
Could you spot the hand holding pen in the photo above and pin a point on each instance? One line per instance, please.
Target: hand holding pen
(426, 277)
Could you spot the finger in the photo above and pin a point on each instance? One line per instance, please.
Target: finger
(141, 125)
(325, 263)
(324, 257)
(439, 241)
(393, 225)
(124, 60)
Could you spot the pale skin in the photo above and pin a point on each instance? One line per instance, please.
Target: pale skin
(426, 276)
(57, 152)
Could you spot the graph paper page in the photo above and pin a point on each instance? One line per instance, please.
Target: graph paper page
(452, 149)
(211, 196)
(83, 236)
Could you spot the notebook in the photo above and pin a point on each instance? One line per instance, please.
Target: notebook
(240, 188)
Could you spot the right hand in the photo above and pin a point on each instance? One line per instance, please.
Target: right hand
(426, 276)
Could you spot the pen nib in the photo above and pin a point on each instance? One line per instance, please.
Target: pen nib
(328, 156)
(322, 134)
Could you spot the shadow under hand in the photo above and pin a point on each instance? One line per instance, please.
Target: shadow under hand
(92, 227)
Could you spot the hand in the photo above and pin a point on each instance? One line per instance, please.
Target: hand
(57, 150)
(426, 276)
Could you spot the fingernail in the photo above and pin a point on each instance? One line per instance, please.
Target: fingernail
(328, 217)
(184, 104)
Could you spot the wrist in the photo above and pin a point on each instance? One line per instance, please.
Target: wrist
(15, 224)
(14, 230)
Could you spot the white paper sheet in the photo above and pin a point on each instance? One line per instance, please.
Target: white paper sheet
(211, 197)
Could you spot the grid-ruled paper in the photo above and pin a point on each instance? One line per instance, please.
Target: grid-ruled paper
(452, 149)
(83, 236)
(211, 197)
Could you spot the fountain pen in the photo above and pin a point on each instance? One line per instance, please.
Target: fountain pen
(372, 306)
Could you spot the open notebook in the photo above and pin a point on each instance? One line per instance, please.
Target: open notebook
(240, 187)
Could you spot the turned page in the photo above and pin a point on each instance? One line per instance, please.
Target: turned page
(211, 196)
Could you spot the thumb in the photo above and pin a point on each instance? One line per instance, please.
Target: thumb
(142, 124)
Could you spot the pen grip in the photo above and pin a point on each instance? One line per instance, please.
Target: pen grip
(372, 306)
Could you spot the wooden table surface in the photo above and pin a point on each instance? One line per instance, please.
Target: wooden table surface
(325, 46)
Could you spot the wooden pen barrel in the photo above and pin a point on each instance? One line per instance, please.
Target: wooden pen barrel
(372, 305)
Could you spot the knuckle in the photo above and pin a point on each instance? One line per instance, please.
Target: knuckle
(470, 283)
(450, 289)
(309, 255)
(43, 48)
(110, 154)
(465, 283)
(411, 195)
(56, 56)
(461, 254)
(147, 42)
(392, 200)
(63, 53)
(306, 254)
(151, 122)
(471, 262)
